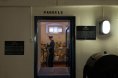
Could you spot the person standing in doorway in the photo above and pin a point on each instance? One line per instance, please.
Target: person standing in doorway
(51, 51)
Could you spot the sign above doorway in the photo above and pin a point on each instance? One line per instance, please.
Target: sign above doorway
(53, 12)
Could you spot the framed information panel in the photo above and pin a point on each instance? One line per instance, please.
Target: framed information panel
(86, 32)
(14, 47)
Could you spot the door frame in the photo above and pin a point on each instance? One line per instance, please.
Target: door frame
(72, 41)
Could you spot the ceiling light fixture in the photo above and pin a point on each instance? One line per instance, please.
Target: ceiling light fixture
(105, 27)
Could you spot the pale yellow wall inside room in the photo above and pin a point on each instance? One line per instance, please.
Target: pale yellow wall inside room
(58, 37)
(89, 16)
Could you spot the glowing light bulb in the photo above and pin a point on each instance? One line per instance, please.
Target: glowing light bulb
(105, 27)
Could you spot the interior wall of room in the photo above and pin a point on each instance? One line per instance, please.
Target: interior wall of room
(59, 37)
(15, 25)
(89, 16)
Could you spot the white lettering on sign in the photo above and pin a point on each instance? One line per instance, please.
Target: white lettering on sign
(52, 12)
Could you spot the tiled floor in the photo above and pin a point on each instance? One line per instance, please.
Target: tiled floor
(54, 72)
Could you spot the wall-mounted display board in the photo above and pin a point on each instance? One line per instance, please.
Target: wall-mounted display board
(14, 47)
(86, 32)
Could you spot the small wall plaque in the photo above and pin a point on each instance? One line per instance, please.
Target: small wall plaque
(14, 47)
(86, 32)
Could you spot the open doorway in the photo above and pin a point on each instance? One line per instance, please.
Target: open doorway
(56, 29)
(61, 30)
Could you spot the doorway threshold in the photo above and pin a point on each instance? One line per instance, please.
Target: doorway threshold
(54, 72)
